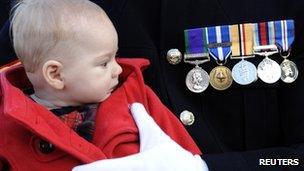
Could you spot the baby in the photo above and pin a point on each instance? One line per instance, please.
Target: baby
(59, 108)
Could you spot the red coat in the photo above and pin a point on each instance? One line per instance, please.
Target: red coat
(23, 124)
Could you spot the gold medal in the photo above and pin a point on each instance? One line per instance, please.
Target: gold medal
(220, 78)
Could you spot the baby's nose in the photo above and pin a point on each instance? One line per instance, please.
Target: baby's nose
(117, 69)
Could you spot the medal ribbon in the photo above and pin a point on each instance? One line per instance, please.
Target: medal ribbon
(195, 41)
(264, 33)
(242, 40)
(218, 42)
(239, 39)
(284, 34)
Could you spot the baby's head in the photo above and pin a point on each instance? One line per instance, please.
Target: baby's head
(68, 50)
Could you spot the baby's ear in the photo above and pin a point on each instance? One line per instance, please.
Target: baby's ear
(52, 74)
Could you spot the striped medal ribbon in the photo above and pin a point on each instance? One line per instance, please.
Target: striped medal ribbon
(268, 70)
(244, 72)
(197, 79)
(219, 47)
(284, 37)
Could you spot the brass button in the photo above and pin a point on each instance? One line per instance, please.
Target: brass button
(187, 117)
(174, 56)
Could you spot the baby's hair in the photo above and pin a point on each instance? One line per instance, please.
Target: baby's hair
(43, 29)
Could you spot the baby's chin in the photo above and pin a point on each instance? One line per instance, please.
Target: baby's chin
(105, 97)
(92, 101)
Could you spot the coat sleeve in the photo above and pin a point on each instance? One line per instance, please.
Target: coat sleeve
(121, 145)
(250, 160)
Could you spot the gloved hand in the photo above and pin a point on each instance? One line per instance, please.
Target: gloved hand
(157, 151)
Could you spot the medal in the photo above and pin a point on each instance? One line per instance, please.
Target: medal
(220, 78)
(197, 79)
(284, 38)
(268, 70)
(244, 72)
(219, 46)
(289, 71)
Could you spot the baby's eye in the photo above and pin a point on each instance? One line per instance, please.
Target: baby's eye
(104, 64)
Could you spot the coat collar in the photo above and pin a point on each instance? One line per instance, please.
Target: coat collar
(41, 121)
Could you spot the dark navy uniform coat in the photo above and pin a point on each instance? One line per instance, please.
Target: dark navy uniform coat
(236, 127)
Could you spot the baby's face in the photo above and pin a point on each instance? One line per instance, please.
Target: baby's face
(92, 74)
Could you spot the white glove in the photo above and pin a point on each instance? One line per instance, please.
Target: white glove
(158, 152)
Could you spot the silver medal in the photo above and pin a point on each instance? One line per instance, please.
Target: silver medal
(197, 80)
(244, 72)
(269, 71)
(289, 71)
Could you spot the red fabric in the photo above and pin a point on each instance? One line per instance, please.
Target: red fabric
(263, 33)
(24, 123)
(72, 120)
(15, 62)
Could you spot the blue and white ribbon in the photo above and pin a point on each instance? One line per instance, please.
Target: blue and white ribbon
(284, 34)
(219, 42)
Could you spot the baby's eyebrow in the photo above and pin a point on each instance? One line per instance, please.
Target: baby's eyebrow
(106, 56)
(103, 58)
(114, 52)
